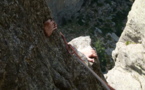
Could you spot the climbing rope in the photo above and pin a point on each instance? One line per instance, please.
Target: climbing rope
(71, 50)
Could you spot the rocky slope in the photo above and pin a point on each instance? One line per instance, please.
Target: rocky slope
(129, 55)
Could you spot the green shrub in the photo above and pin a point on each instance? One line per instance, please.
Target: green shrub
(101, 54)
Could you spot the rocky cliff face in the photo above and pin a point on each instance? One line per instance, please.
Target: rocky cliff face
(129, 70)
(29, 60)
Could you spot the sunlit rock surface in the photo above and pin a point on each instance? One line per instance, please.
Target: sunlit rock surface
(129, 70)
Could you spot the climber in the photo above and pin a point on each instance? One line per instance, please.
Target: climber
(49, 27)
(87, 50)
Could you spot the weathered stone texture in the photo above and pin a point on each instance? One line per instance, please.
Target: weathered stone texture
(29, 60)
(129, 70)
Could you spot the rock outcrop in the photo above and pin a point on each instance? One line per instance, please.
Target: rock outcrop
(129, 70)
(29, 60)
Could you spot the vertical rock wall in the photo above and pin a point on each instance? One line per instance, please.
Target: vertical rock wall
(29, 60)
(129, 70)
